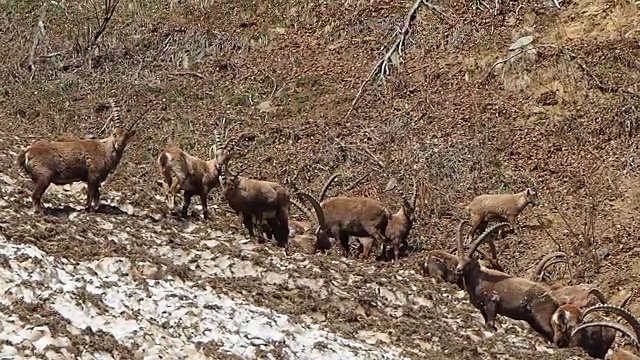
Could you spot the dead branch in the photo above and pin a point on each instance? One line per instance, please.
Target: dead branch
(394, 53)
(358, 181)
(364, 150)
(188, 73)
(38, 36)
(103, 20)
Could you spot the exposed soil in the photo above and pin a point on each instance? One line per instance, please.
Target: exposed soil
(562, 117)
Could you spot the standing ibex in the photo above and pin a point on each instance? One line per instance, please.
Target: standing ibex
(342, 216)
(65, 162)
(181, 171)
(499, 207)
(256, 200)
(519, 298)
(299, 228)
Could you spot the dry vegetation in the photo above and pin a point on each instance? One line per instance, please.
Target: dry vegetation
(462, 112)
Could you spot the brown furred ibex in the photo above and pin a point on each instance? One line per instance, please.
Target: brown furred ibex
(65, 162)
(519, 298)
(623, 352)
(440, 264)
(499, 207)
(196, 177)
(343, 216)
(596, 339)
(257, 200)
(578, 295)
(399, 226)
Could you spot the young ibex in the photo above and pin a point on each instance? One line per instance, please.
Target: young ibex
(499, 207)
(519, 298)
(65, 162)
(256, 200)
(596, 340)
(181, 171)
(341, 216)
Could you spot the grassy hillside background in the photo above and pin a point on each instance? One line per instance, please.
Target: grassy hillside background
(461, 113)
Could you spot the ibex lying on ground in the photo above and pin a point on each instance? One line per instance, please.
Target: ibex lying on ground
(340, 217)
(440, 264)
(65, 162)
(499, 207)
(256, 200)
(595, 339)
(519, 298)
(181, 171)
(578, 295)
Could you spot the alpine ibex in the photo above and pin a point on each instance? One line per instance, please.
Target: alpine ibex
(578, 295)
(499, 207)
(399, 225)
(299, 228)
(624, 352)
(519, 298)
(65, 162)
(256, 200)
(182, 171)
(341, 216)
(440, 264)
(596, 339)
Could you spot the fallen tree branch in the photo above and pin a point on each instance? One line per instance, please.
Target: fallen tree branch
(394, 53)
(189, 73)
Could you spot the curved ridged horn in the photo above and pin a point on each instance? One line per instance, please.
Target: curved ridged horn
(316, 207)
(230, 143)
(459, 243)
(303, 208)
(623, 313)
(115, 113)
(608, 324)
(595, 292)
(414, 194)
(325, 188)
(474, 246)
(542, 264)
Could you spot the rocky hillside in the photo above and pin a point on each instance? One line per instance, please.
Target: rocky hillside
(484, 97)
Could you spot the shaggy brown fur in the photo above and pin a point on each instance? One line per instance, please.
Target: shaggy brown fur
(66, 162)
(498, 207)
(519, 298)
(597, 337)
(256, 200)
(340, 217)
(182, 171)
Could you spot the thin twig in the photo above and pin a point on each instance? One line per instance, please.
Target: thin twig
(357, 182)
(189, 73)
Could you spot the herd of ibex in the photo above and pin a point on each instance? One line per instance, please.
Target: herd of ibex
(562, 314)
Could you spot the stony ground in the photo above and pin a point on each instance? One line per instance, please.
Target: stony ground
(463, 114)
